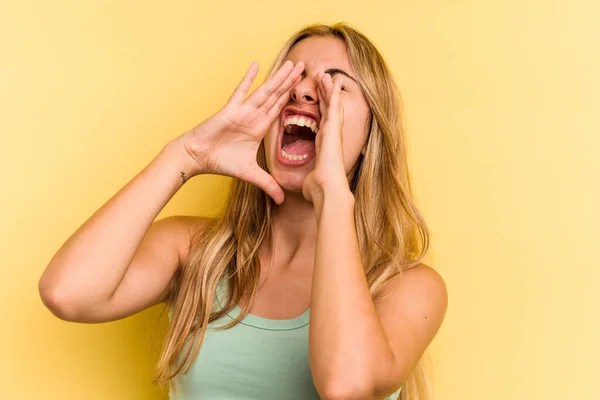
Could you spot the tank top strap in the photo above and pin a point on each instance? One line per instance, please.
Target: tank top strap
(255, 321)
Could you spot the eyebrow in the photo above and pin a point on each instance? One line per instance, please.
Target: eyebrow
(333, 72)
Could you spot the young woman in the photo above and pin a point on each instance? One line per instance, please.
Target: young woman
(310, 284)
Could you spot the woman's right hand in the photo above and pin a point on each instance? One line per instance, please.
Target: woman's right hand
(227, 142)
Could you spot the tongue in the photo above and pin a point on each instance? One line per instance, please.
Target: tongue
(300, 146)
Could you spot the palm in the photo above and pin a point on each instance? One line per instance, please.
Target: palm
(234, 150)
(247, 119)
(329, 164)
(230, 138)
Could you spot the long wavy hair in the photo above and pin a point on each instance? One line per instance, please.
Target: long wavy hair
(392, 234)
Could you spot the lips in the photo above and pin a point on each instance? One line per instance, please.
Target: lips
(286, 112)
(293, 163)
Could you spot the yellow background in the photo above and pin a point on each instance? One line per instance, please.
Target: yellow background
(502, 108)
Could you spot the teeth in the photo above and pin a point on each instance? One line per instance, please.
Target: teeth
(300, 121)
(294, 157)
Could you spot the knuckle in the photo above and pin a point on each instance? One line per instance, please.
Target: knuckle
(280, 91)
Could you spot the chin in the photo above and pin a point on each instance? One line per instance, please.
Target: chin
(288, 174)
(290, 181)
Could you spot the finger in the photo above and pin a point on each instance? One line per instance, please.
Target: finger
(335, 109)
(322, 97)
(322, 109)
(281, 102)
(322, 104)
(266, 182)
(341, 112)
(243, 87)
(290, 81)
(260, 95)
(321, 92)
(334, 98)
(321, 88)
(328, 86)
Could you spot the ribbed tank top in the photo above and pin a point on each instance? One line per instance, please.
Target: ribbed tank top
(259, 358)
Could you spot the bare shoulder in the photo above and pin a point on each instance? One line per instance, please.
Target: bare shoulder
(421, 275)
(426, 277)
(180, 229)
(419, 289)
(411, 312)
(429, 283)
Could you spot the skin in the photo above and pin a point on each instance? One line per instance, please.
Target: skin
(294, 221)
(313, 259)
(316, 245)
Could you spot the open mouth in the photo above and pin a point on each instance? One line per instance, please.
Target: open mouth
(297, 141)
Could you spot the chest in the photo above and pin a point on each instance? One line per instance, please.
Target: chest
(284, 292)
(243, 362)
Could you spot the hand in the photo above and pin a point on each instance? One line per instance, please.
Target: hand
(227, 142)
(329, 173)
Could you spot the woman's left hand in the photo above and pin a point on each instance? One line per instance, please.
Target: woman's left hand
(329, 174)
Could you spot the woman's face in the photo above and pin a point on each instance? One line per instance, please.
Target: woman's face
(318, 54)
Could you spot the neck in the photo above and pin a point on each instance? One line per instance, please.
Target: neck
(294, 228)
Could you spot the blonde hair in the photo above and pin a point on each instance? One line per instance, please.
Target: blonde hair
(392, 234)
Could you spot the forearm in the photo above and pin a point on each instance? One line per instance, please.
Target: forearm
(92, 262)
(348, 347)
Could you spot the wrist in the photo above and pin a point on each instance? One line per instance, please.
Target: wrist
(334, 198)
(180, 157)
(191, 162)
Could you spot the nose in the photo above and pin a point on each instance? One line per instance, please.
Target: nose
(305, 91)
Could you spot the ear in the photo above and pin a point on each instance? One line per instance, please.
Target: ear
(364, 150)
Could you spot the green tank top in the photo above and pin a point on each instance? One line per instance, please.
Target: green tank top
(258, 358)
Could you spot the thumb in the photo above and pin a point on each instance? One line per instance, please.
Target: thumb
(266, 182)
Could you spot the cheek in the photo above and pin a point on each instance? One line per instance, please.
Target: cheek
(354, 128)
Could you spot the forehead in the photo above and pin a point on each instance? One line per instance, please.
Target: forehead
(320, 53)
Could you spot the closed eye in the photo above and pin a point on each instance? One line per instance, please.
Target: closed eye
(334, 71)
